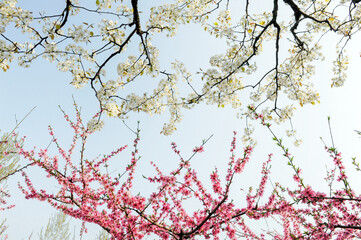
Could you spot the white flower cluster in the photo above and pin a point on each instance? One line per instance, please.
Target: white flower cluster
(222, 26)
(110, 31)
(95, 125)
(112, 109)
(79, 33)
(88, 49)
(247, 136)
(50, 51)
(297, 142)
(291, 133)
(284, 114)
(169, 16)
(339, 68)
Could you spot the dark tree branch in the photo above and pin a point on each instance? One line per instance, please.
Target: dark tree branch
(136, 19)
(347, 227)
(64, 15)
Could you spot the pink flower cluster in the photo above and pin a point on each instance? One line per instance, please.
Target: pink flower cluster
(87, 192)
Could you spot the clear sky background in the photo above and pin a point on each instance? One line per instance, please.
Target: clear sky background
(43, 86)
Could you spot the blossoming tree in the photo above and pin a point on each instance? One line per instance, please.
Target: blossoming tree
(88, 192)
(85, 37)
